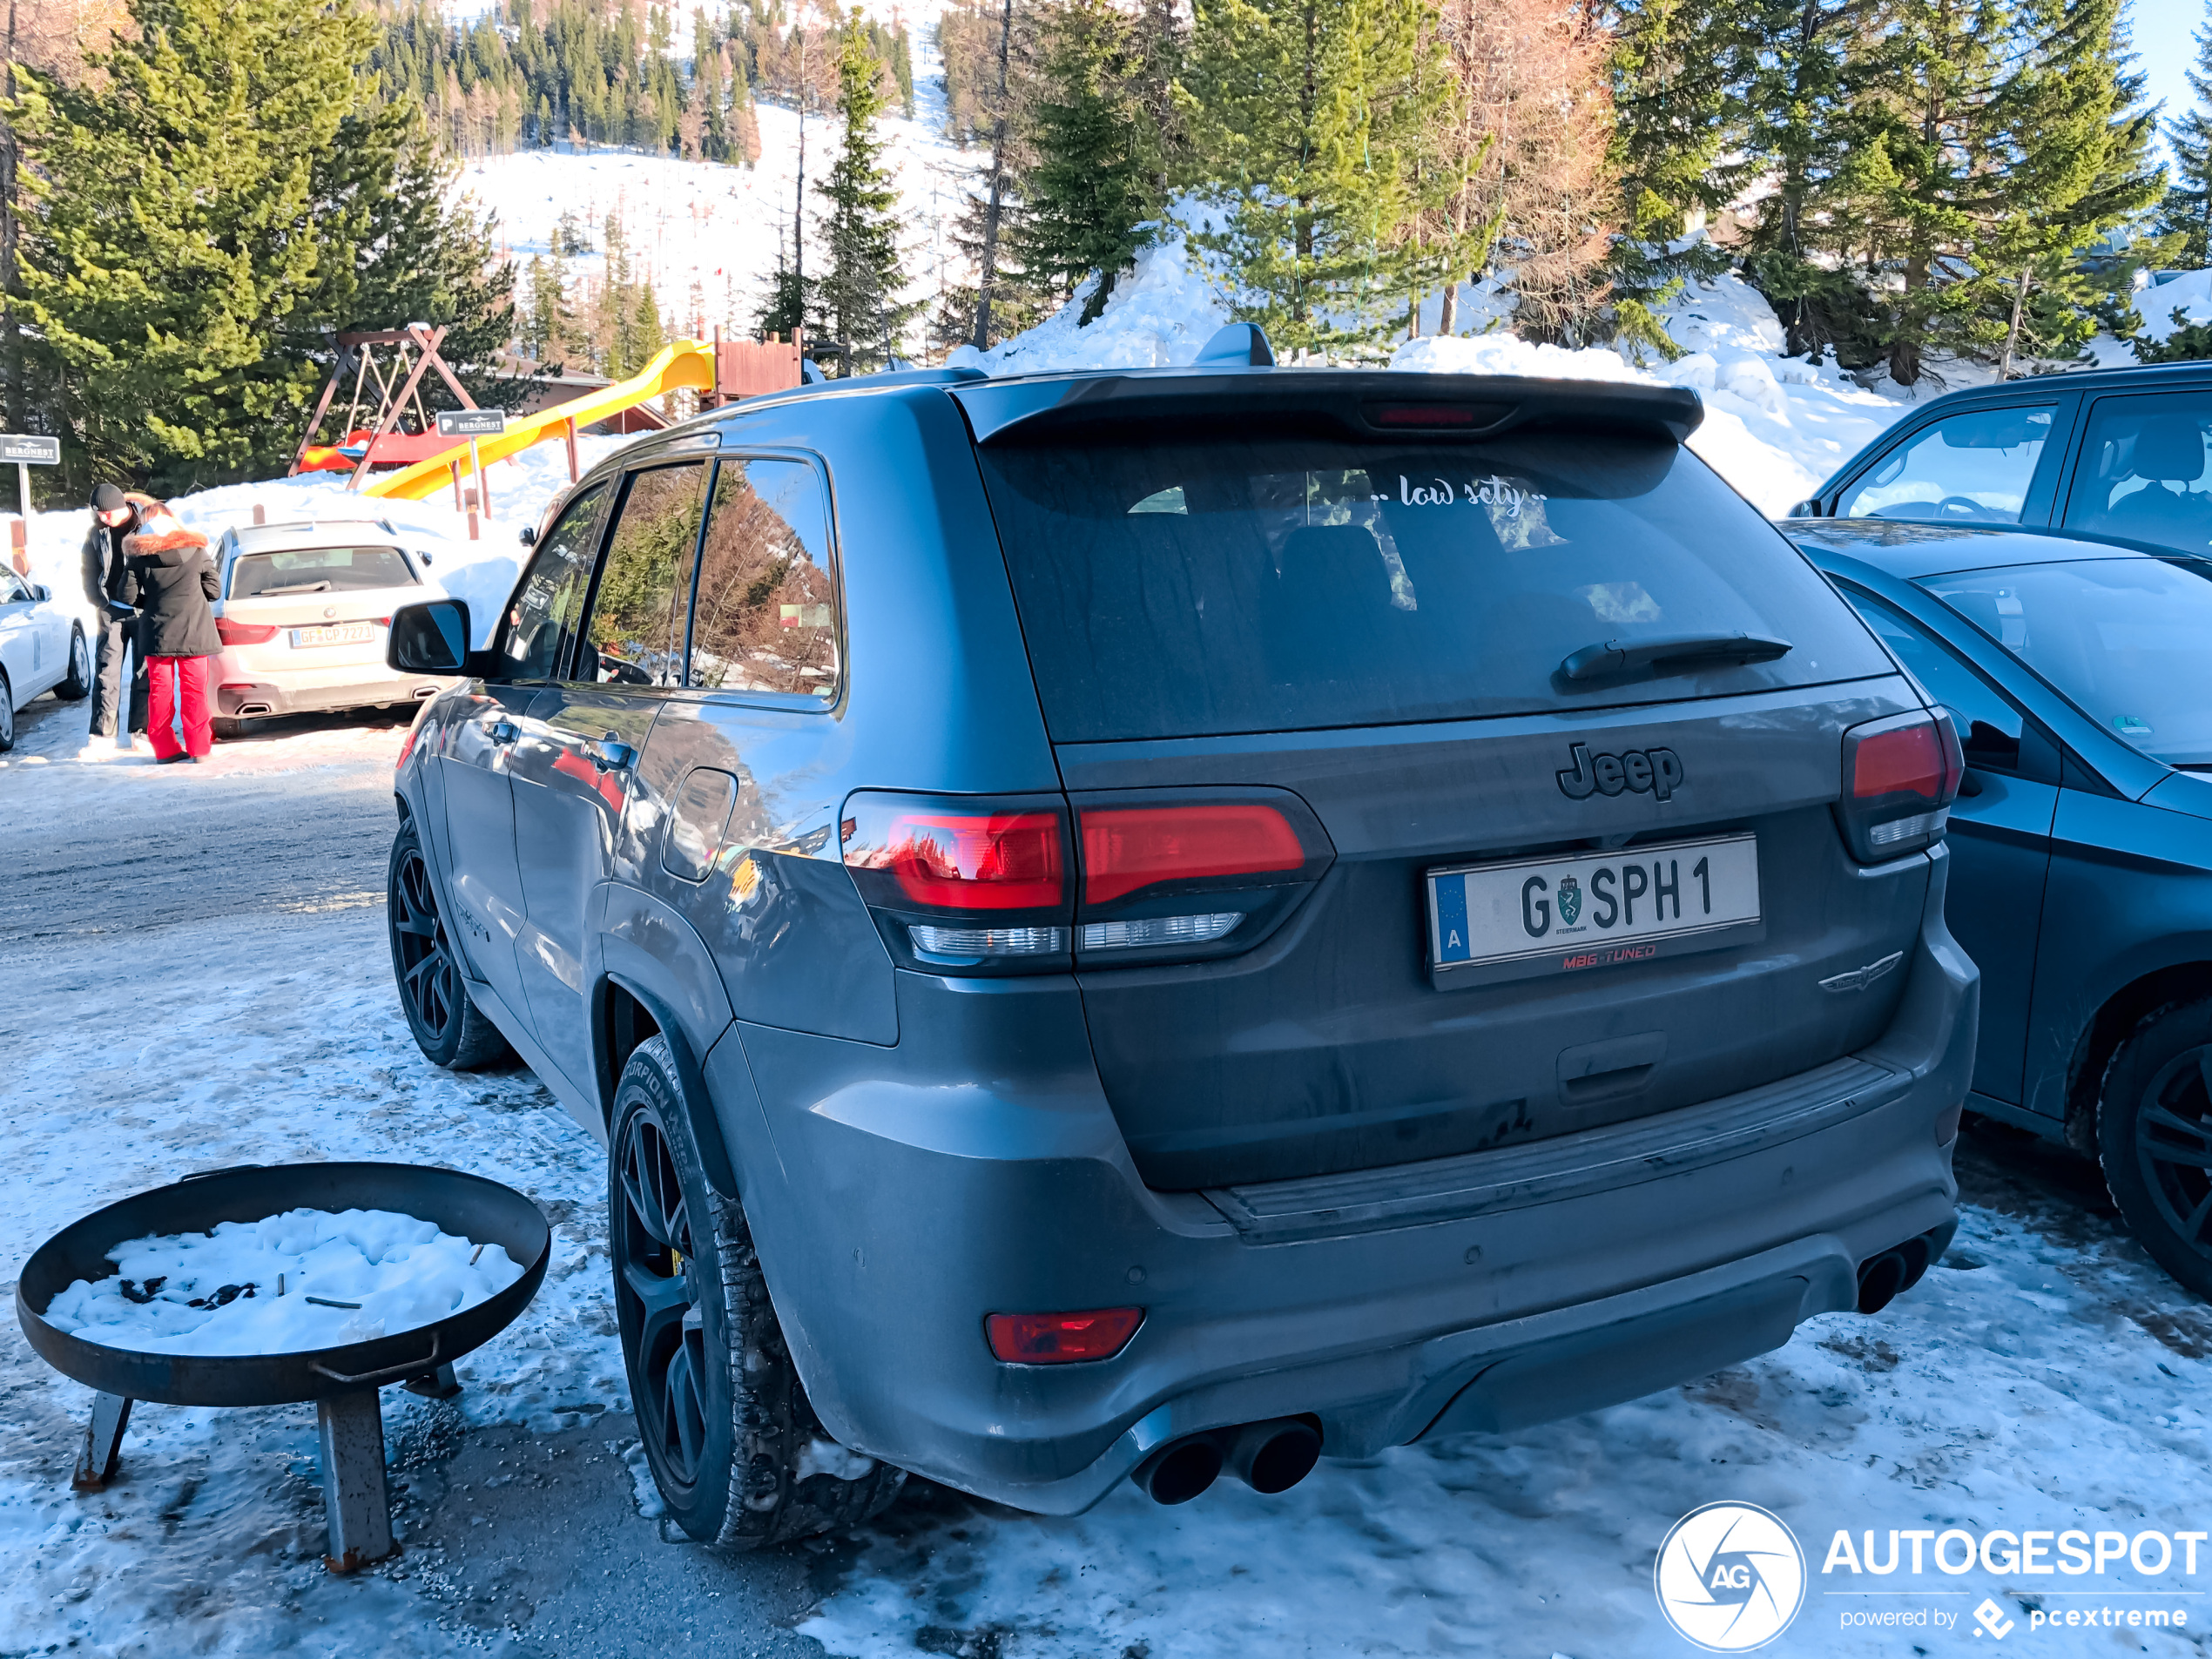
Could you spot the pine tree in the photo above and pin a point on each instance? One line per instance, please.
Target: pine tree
(224, 189)
(858, 294)
(1677, 70)
(1314, 121)
(996, 206)
(648, 334)
(1090, 197)
(2187, 211)
(2001, 143)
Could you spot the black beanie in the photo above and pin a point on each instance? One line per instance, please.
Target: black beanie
(108, 499)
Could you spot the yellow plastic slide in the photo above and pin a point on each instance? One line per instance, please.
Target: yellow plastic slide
(687, 362)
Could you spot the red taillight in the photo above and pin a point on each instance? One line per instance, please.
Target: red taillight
(1900, 776)
(1056, 1339)
(244, 633)
(1908, 760)
(1129, 848)
(975, 861)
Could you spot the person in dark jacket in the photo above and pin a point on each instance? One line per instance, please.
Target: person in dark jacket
(176, 584)
(109, 589)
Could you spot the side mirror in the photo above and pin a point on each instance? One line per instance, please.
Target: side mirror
(431, 638)
(425, 558)
(530, 536)
(1809, 508)
(39, 591)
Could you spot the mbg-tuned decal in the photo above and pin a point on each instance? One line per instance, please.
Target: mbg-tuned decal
(1644, 771)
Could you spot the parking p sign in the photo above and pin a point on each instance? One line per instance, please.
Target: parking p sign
(471, 423)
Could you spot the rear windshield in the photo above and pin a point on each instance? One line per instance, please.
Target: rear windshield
(318, 569)
(1186, 587)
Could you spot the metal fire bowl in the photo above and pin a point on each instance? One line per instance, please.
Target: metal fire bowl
(466, 1205)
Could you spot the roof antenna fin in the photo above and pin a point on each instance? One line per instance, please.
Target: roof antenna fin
(1241, 343)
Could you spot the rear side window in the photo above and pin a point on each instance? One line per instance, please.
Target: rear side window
(318, 569)
(766, 619)
(1185, 588)
(2141, 474)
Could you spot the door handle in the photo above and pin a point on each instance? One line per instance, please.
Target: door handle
(610, 753)
(502, 730)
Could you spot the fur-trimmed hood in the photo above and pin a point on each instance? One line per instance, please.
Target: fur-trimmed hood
(163, 535)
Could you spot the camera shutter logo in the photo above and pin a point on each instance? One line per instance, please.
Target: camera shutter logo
(1729, 1577)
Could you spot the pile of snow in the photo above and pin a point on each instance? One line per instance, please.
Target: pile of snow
(1158, 317)
(290, 1284)
(2189, 293)
(1774, 427)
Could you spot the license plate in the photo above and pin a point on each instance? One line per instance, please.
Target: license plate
(337, 633)
(1488, 922)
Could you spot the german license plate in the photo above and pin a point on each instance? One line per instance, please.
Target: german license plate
(1488, 922)
(337, 633)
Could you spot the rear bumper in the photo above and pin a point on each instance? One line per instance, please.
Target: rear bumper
(243, 693)
(897, 1201)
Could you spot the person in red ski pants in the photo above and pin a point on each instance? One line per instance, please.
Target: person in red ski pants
(177, 585)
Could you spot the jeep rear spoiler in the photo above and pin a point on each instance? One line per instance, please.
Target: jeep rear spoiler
(1364, 405)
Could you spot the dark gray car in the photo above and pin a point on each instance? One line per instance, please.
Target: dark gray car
(1116, 923)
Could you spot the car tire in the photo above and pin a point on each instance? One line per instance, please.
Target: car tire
(2154, 1138)
(724, 1418)
(449, 1029)
(78, 686)
(7, 713)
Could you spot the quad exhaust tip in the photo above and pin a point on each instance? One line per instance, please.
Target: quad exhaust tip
(1269, 1457)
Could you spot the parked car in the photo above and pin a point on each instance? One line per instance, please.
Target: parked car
(42, 649)
(2082, 862)
(305, 610)
(1121, 923)
(2116, 455)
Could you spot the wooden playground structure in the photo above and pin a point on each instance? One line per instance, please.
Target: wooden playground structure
(401, 432)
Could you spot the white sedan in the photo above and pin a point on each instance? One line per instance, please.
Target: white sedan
(305, 610)
(42, 649)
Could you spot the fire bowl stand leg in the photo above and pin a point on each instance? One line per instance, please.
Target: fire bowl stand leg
(102, 1451)
(351, 1426)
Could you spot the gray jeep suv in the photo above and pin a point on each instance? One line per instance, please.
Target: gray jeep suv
(1133, 923)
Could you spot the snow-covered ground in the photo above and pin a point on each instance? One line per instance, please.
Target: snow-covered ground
(2046, 1377)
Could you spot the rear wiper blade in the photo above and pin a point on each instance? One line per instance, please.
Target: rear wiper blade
(1676, 654)
(296, 587)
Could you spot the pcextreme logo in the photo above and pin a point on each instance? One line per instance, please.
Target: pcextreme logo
(1729, 1577)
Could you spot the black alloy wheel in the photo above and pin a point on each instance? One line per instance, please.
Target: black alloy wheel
(724, 1418)
(2154, 1138)
(447, 1024)
(656, 1263)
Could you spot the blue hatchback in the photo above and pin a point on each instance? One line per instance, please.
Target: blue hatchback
(2080, 675)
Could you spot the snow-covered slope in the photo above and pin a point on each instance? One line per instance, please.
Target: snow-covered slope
(707, 234)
